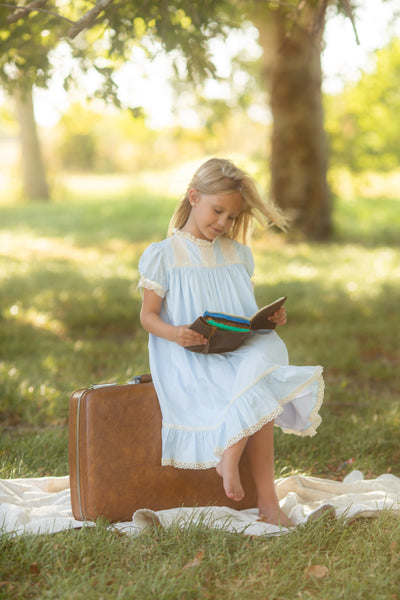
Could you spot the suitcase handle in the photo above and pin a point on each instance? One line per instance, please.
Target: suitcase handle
(141, 379)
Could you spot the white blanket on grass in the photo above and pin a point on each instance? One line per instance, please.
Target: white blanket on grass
(43, 505)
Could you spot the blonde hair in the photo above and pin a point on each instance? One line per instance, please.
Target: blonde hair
(221, 176)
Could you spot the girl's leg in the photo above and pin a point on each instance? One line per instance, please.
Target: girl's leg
(260, 451)
(228, 469)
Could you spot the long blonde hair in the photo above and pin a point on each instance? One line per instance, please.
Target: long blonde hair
(221, 176)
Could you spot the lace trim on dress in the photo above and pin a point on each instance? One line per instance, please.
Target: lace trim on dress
(193, 238)
(146, 283)
(170, 462)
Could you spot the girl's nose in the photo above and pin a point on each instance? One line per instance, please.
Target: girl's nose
(222, 221)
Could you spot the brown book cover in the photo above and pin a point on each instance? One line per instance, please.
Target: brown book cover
(225, 332)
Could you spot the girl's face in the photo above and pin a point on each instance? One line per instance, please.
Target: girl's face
(212, 215)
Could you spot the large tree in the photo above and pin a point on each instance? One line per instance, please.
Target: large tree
(290, 34)
(292, 71)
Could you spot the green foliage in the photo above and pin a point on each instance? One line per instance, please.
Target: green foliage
(362, 122)
(25, 46)
(182, 28)
(78, 143)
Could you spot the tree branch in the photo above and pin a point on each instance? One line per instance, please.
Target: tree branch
(36, 5)
(349, 12)
(22, 11)
(88, 18)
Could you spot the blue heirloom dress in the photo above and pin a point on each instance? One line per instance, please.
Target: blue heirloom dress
(210, 401)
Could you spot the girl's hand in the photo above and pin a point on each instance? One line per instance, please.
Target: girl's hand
(279, 317)
(187, 337)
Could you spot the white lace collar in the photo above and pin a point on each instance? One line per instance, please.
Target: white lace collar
(193, 238)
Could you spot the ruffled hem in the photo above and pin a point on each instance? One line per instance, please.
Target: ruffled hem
(315, 417)
(171, 462)
(246, 408)
(146, 283)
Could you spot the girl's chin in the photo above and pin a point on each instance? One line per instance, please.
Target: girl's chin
(215, 233)
(209, 236)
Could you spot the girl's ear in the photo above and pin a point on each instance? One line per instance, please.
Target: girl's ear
(193, 197)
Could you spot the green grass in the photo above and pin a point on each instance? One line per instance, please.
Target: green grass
(69, 317)
(357, 562)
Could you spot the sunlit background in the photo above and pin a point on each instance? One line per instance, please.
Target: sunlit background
(144, 83)
(177, 126)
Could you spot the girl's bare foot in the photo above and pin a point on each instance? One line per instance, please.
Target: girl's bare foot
(231, 479)
(274, 516)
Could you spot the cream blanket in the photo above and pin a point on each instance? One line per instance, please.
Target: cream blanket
(43, 505)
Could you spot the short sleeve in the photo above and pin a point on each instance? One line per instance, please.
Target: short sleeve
(248, 260)
(153, 271)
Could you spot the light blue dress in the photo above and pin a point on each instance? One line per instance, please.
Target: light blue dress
(210, 401)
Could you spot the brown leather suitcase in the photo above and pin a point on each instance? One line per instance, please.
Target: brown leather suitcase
(115, 458)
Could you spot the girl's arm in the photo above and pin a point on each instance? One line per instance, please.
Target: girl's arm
(153, 323)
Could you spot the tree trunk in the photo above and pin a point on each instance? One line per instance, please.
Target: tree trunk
(34, 176)
(292, 67)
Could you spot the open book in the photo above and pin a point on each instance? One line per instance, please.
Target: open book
(225, 332)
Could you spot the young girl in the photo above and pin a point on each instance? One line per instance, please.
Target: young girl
(213, 405)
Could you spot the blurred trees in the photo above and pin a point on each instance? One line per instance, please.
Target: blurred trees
(362, 122)
(79, 142)
(290, 34)
(90, 140)
(99, 141)
(30, 31)
(26, 40)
